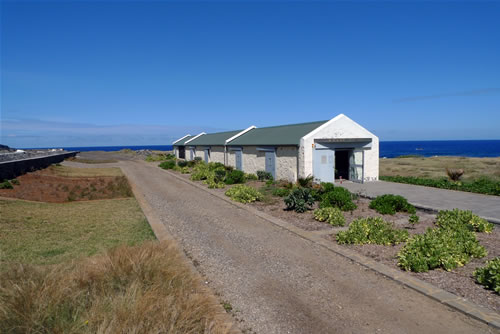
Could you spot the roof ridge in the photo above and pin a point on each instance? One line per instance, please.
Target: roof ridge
(294, 124)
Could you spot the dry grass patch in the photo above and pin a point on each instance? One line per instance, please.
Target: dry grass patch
(67, 171)
(141, 289)
(91, 161)
(47, 233)
(435, 167)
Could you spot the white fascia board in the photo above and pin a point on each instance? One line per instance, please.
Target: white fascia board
(319, 128)
(333, 120)
(178, 140)
(200, 134)
(240, 133)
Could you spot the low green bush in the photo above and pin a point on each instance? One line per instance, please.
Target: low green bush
(372, 230)
(168, 164)
(390, 204)
(182, 163)
(489, 275)
(482, 185)
(6, 185)
(15, 182)
(214, 184)
(156, 157)
(414, 219)
(200, 172)
(337, 197)
(299, 200)
(456, 218)
(281, 192)
(332, 216)
(251, 177)
(234, 177)
(244, 194)
(220, 174)
(263, 175)
(184, 170)
(198, 159)
(445, 248)
(305, 182)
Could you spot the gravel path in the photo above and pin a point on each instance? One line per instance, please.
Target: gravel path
(278, 282)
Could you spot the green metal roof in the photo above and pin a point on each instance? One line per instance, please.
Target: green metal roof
(276, 135)
(215, 139)
(181, 142)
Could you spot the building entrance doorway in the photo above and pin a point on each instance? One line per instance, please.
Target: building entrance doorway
(342, 164)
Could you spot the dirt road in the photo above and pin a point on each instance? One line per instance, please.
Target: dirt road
(278, 282)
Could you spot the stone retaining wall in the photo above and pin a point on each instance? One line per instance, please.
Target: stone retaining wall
(12, 169)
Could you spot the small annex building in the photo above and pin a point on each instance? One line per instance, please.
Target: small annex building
(328, 150)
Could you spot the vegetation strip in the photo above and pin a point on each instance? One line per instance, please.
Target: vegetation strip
(475, 311)
(480, 186)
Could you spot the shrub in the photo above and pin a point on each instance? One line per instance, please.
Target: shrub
(182, 163)
(390, 204)
(234, 177)
(197, 159)
(414, 219)
(158, 157)
(263, 175)
(299, 199)
(170, 156)
(15, 182)
(220, 174)
(457, 218)
(6, 185)
(454, 174)
(305, 182)
(372, 230)
(185, 170)
(337, 197)
(332, 216)
(250, 177)
(214, 184)
(200, 172)
(168, 164)
(215, 165)
(489, 275)
(445, 248)
(244, 194)
(281, 192)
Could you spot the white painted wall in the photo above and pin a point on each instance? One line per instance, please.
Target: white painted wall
(253, 160)
(286, 163)
(340, 127)
(217, 154)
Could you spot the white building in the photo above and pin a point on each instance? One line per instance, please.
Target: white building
(327, 150)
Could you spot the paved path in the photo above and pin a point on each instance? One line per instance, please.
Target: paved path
(485, 206)
(279, 282)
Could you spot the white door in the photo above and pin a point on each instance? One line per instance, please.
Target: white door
(356, 165)
(324, 165)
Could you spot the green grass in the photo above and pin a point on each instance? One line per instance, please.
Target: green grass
(49, 233)
(480, 186)
(435, 167)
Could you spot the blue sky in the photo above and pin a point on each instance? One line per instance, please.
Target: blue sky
(123, 73)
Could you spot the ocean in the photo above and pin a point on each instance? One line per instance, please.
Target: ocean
(388, 149)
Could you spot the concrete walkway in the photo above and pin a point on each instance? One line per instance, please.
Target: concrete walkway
(279, 282)
(485, 206)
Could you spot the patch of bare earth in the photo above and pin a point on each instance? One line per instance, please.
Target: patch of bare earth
(43, 186)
